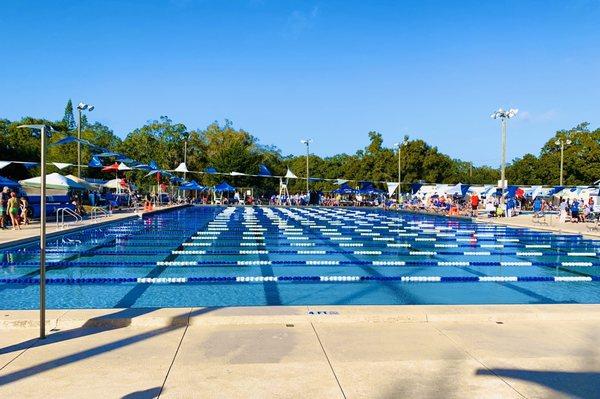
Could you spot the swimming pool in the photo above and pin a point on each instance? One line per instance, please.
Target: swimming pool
(237, 256)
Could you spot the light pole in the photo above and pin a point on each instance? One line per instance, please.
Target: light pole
(561, 143)
(80, 107)
(307, 143)
(44, 129)
(504, 116)
(399, 145)
(185, 158)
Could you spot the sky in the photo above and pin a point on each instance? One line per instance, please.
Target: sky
(327, 70)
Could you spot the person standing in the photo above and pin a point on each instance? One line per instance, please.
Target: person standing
(25, 210)
(13, 210)
(474, 204)
(4, 197)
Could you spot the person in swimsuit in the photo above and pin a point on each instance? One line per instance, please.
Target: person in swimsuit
(13, 210)
(25, 210)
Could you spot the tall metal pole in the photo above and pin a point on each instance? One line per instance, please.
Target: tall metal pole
(562, 149)
(78, 142)
(43, 235)
(307, 175)
(185, 158)
(399, 172)
(503, 165)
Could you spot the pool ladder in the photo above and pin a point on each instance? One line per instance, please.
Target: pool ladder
(60, 217)
(98, 212)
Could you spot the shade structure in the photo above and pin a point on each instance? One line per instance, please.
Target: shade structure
(224, 187)
(54, 181)
(263, 170)
(192, 186)
(111, 168)
(181, 168)
(118, 184)
(143, 167)
(290, 175)
(6, 182)
(122, 167)
(95, 162)
(87, 185)
(210, 170)
(459, 189)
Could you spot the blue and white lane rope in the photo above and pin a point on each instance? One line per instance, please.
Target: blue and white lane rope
(315, 262)
(294, 279)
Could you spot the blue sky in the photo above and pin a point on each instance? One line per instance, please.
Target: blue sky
(329, 70)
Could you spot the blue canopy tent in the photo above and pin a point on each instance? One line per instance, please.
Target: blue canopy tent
(344, 189)
(222, 188)
(367, 188)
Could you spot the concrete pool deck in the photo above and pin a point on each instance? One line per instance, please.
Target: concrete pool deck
(488, 351)
(552, 224)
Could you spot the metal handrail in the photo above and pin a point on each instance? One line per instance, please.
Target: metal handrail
(60, 223)
(97, 211)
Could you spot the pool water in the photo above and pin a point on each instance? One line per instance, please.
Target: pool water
(238, 256)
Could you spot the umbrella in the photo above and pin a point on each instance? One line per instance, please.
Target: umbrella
(53, 181)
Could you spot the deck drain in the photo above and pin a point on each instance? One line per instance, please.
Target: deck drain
(289, 325)
(499, 322)
(323, 312)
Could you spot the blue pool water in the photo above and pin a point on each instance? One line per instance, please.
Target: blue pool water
(234, 256)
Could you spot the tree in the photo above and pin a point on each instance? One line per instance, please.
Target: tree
(68, 119)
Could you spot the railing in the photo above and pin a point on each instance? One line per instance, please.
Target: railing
(60, 217)
(98, 212)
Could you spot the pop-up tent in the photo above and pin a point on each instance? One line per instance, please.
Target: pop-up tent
(345, 189)
(54, 181)
(366, 187)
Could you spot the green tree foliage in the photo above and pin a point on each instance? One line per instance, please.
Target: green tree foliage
(235, 150)
(68, 119)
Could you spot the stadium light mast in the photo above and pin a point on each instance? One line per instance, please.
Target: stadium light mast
(44, 130)
(561, 143)
(307, 143)
(504, 116)
(399, 145)
(80, 107)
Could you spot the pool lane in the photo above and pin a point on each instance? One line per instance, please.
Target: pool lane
(367, 255)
